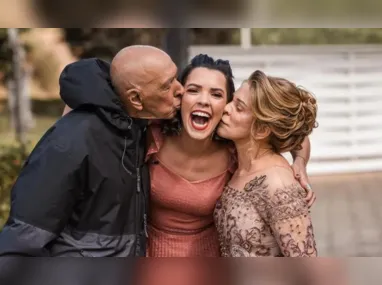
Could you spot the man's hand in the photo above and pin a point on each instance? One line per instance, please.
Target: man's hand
(299, 169)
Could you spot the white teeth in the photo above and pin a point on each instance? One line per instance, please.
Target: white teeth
(201, 114)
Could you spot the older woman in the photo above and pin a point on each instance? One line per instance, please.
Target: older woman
(262, 211)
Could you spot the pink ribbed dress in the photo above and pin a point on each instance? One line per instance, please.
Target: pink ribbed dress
(181, 220)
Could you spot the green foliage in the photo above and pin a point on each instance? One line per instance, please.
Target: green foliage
(105, 43)
(215, 36)
(11, 162)
(324, 12)
(316, 36)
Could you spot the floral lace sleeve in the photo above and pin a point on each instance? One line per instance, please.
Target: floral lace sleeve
(283, 208)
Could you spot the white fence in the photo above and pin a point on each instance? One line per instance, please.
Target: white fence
(347, 82)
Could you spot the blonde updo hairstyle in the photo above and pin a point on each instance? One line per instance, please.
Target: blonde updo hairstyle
(288, 111)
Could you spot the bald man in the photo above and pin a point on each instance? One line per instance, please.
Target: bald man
(84, 189)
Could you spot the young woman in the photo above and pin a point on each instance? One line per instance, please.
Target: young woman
(262, 211)
(190, 165)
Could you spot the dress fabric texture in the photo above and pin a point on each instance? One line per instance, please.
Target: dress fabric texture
(268, 217)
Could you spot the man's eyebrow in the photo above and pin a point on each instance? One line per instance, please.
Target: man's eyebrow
(168, 81)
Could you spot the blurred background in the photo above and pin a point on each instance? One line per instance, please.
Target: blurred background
(341, 66)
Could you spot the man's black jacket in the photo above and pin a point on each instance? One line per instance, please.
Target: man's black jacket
(84, 189)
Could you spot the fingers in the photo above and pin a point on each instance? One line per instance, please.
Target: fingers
(305, 184)
(302, 177)
(308, 187)
(309, 195)
(312, 201)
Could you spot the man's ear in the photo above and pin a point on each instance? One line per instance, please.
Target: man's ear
(134, 99)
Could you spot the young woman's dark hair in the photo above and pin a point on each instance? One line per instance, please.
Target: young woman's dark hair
(174, 126)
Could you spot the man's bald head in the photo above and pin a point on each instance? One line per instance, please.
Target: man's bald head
(137, 65)
(145, 80)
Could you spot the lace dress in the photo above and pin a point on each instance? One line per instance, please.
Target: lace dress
(266, 217)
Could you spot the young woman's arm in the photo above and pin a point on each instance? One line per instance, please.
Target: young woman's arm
(300, 162)
(304, 153)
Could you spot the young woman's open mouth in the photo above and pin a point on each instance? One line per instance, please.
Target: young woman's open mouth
(200, 120)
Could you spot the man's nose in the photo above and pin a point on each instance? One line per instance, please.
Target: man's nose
(179, 91)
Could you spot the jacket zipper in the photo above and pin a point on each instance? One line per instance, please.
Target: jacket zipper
(138, 208)
(139, 211)
(144, 197)
(144, 207)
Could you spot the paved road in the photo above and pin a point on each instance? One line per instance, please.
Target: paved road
(348, 215)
